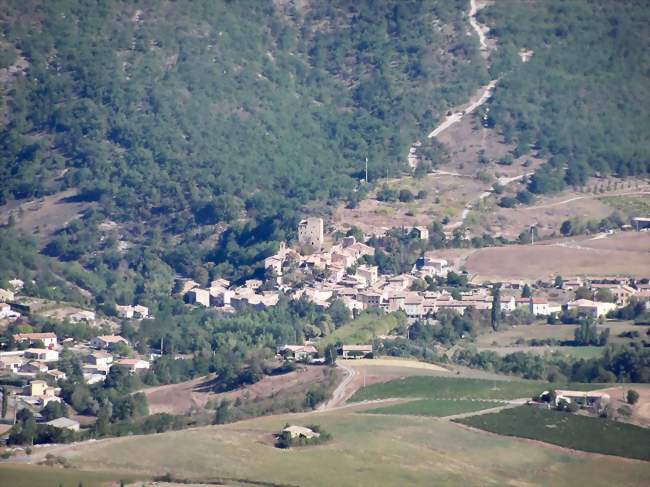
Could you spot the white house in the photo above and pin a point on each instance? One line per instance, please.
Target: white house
(356, 351)
(42, 354)
(591, 308)
(539, 306)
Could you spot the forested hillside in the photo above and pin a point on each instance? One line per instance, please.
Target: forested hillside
(198, 109)
(581, 99)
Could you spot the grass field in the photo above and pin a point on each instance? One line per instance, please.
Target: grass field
(454, 388)
(366, 450)
(569, 430)
(570, 352)
(435, 407)
(364, 329)
(12, 475)
(630, 205)
(509, 336)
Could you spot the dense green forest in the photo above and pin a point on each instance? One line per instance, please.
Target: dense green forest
(580, 99)
(206, 128)
(190, 112)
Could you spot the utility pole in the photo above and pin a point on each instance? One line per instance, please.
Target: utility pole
(532, 235)
(366, 170)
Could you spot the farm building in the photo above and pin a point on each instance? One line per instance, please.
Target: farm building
(64, 423)
(586, 399)
(356, 351)
(300, 432)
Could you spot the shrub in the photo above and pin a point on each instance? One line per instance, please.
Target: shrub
(405, 196)
(632, 396)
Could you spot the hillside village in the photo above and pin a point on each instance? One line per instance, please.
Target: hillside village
(309, 270)
(338, 273)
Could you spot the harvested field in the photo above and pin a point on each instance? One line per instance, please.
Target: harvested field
(396, 362)
(620, 254)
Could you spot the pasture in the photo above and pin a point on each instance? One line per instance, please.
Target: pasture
(568, 430)
(367, 450)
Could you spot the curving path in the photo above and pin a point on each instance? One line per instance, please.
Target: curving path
(339, 394)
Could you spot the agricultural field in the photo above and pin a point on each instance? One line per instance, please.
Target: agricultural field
(518, 336)
(568, 430)
(620, 254)
(436, 407)
(453, 388)
(12, 475)
(367, 449)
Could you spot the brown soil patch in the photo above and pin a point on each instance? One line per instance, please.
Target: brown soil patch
(44, 216)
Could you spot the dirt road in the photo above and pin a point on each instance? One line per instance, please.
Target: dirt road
(473, 8)
(576, 198)
(340, 394)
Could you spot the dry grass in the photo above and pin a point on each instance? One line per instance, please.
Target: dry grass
(373, 216)
(508, 337)
(185, 396)
(620, 254)
(366, 450)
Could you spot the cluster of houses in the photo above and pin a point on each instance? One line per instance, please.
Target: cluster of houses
(338, 276)
(308, 352)
(37, 363)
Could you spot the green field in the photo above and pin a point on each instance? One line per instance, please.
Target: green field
(435, 407)
(12, 475)
(364, 329)
(569, 430)
(454, 388)
(631, 205)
